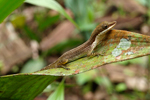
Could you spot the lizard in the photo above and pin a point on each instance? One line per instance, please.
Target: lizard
(85, 49)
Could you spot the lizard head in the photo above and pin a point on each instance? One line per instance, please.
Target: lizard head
(103, 28)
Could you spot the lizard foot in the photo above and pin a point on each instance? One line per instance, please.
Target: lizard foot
(102, 53)
(96, 54)
(62, 66)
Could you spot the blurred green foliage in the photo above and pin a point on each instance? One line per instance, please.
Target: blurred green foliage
(84, 15)
(85, 77)
(104, 81)
(147, 4)
(30, 33)
(47, 22)
(1, 65)
(143, 2)
(121, 87)
(88, 77)
(139, 61)
(18, 20)
(33, 65)
(61, 47)
(52, 4)
(43, 22)
(58, 93)
(7, 6)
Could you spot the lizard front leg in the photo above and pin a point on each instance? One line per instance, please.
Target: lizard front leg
(90, 52)
(62, 64)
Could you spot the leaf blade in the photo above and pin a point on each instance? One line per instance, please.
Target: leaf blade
(23, 86)
(117, 47)
(59, 92)
(7, 6)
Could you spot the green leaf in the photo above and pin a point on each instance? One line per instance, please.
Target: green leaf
(59, 92)
(59, 48)
(52, 4)
(33, 65)
(48, 22)
(140, 61)
(78, 7)
(7, 6)
(105, 82)
(85, 77)
(30, 33)
(18, 20)
(121, 87)
(23, 86)
(118, 45)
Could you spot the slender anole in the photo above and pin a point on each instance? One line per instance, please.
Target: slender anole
(86, 49)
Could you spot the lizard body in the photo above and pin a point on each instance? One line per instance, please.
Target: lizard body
(85, 49)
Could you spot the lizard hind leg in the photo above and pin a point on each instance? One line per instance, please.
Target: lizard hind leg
(95, 54)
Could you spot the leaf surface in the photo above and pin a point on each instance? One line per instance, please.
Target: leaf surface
(23, 86)
(119, 45)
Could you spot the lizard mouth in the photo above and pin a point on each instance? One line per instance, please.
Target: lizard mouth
(111, 24)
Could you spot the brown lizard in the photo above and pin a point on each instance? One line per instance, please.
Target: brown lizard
(86, 49)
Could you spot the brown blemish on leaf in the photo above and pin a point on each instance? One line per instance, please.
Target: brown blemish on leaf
(84, 66)
(77, 71)
(118, 57)
(95, 66)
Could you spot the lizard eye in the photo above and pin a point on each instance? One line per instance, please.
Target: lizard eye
(104, 26)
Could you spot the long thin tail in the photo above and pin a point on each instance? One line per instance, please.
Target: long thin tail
(50, 66)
